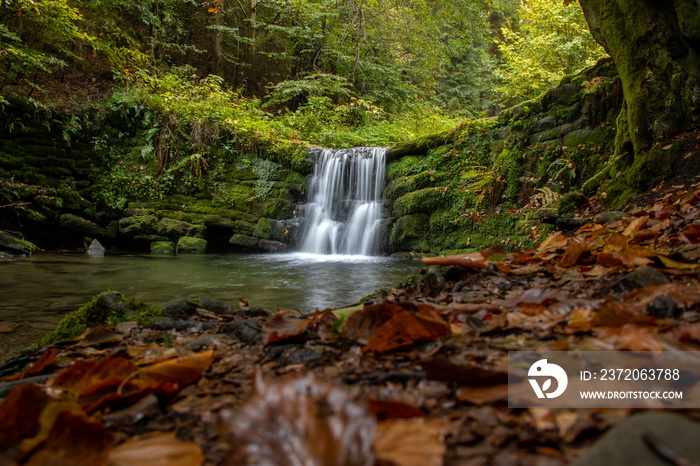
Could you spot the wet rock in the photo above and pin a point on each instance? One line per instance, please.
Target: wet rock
(244, 242)
(15, 244)
(81, 225)
(173, 228)
(162, 247)
(215, 305)
(96, 249)
(624, 444)
(179, 307)
(247, 331)
(432, 282)
(209, 341)
(272, 246)
(609, 217)
(664, 307)
(190, 245)
(639, 278)
(584, 136)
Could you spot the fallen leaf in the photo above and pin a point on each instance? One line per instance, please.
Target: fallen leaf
(543, 419)
(362, 324)
(99, 336)
(73, 440)
(156, 449)
(444, 369)
(572, 255)
(633, 338)
(20, 412)
(388, 409)
(281, 327)
(411, 442)
(690, 332)
(406, 328)
(634, 226)
(180, 372)
(554, 241)
(82, 375)
(46, 360)
(482, 395)
(474, 260)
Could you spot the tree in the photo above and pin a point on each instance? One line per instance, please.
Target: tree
(552, 41)
(656, 49)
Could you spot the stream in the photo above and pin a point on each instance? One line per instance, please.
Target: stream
(38, 291)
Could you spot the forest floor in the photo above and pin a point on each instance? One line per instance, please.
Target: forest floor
(419, 377)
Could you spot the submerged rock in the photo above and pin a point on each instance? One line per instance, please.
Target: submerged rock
(15, 244)
(162, 247)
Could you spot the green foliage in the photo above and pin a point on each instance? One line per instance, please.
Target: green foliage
(314, 86)
(551, 41)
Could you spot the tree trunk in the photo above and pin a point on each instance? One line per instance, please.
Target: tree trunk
(656, 48)
(217, 46)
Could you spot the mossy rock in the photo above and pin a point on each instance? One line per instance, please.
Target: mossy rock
(138, 225)
(108, 308)
(409, 233)
(177, 228)
(162, 247)
(22, 246)
(585, 136)
(262, 228)
(570, 202)
(80, 225)
(242, 227)
(421, 201)
(244, 242)
(277, 209)
(191, 245)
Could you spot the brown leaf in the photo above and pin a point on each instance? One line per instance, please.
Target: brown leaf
(46, 360)
(388, 409)
(156, 449)
(281, 327)
(444, 369)
(73, 440)
(633, 338)
(482, 395)
(411, 442)
(180, 372)
(688, 332)
(362, 324)
(99, 336)
(82, 375)
(613, 314)
(634, 226)
(406, 328)
(20, 413)
(572, 255)
(554, 241)
(684, 295)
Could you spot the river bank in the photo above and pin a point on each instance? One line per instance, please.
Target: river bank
(425, 363)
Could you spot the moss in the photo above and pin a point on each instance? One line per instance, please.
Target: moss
(570, 202)
(408, 233)
(107, 308)
(81, 225)
(14, 243)
(262, 228)
(422, 201)
(162, 247)
(191, 245)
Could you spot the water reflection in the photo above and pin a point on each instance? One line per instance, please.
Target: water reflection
(41, 284)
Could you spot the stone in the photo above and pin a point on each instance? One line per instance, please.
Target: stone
(138, 225)
(609, 217)
(162, 247)
(545, 124)
(272, 246)
(244, 242)
(262, 228)
(191, 245)
(582, 123)
(243, 227)
(547, 135)
(584, 136)
(80, 225)
(247, 331)
(502, 133)
(96, 249)
(432, 282)
(179, 307)
(173, 228)
(15, 244)
(639, 278)
(624, 444)
(209, 341)
(7, 327)
(567, 94)
(566, 128)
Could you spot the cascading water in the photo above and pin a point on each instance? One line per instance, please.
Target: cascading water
(344, 212)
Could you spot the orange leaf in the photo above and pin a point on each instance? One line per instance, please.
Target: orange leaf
(410, 442)
(406, 328)
(47, 359)
(281, 327)
(156, 449)
(690, 332)
(633, 338)
(82, 375)
(73, 440)
(482, 395)
(180, 372)
(362, 324)
(388, 409)
(554, 241)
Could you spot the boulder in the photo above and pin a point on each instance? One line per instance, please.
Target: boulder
(96, 249)
(176, 228)
(244, 242)
(272, 246)
(138, 225)
(80, 225)
(191, 245)
(15, 244)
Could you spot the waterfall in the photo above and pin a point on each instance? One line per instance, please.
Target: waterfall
(344, 209)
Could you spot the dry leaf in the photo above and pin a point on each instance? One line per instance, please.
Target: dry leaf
(406, 328)
(281, 327)
(411, 442)
(156, 449)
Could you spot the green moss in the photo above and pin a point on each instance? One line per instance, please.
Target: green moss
(262, 228)
(423, 201)
(107, 308)
(570, 202)
(191, 245)
(408, 233)
(162, 247)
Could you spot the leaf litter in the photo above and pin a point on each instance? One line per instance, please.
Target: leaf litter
(417, 377)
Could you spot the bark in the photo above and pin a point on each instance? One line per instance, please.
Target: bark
(656, 49)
